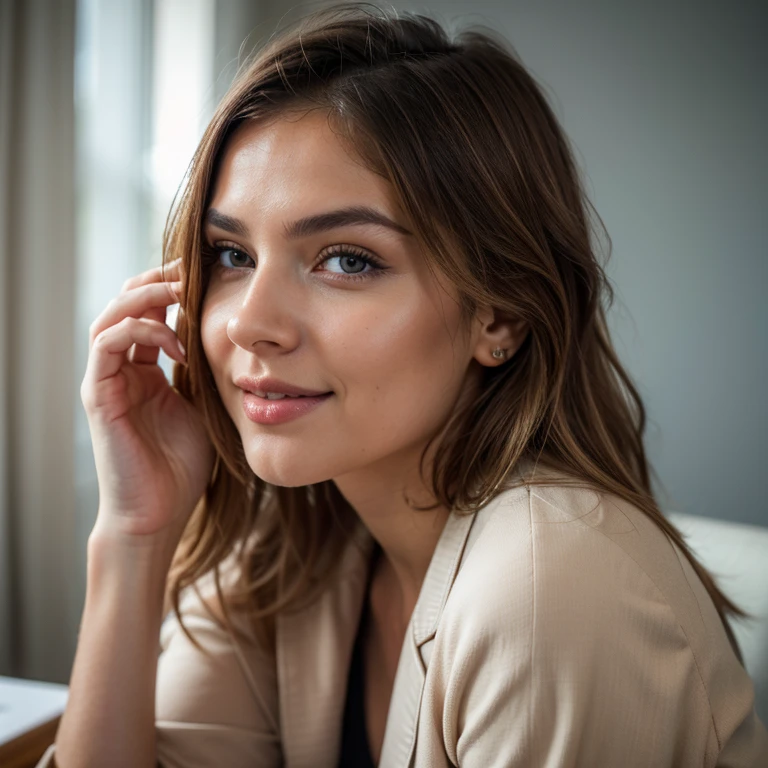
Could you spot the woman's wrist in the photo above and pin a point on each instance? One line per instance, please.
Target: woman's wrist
(105, 543)
(129, 569)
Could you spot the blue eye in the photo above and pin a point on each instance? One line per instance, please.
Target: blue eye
(355, 261)
(352, 261)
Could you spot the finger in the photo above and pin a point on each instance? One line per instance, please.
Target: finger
(110, 346)
(163, 273)
(141, 354)
(135, 303)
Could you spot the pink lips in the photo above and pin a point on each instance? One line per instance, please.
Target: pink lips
(264, 411)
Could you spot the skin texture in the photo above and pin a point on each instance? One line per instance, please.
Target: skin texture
(389, 346)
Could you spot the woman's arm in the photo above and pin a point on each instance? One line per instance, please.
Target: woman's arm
(110, 715)
(153, 459)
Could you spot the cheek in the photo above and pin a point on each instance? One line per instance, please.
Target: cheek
(401, 365)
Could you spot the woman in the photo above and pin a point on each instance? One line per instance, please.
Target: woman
(397, 497)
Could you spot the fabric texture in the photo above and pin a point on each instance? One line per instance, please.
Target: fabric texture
(555, 627)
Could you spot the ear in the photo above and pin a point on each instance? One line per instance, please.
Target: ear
(497, 330)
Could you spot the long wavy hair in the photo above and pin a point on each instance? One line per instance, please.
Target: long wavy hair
(479, 163)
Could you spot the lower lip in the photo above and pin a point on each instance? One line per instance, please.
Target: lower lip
(264, 411)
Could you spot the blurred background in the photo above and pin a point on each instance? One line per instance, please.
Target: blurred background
(102, 103)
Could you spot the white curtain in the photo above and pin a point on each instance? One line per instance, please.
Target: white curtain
(37, 382)
(91, 93)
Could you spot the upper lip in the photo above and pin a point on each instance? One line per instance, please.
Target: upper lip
(250, 384)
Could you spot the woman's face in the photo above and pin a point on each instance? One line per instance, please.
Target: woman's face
(350, 309)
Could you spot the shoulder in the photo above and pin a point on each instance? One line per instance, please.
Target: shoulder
(572, 628)
(575, 626)
(582, 580)
(561, 543)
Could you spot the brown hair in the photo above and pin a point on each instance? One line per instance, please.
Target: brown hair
(480, 165)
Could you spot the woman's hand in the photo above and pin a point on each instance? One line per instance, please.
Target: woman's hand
(153, 455)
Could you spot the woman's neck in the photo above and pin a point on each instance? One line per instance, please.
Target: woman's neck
(406, 537)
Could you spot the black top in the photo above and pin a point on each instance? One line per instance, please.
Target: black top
(355, 751)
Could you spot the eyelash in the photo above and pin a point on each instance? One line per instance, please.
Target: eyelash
(212, 254)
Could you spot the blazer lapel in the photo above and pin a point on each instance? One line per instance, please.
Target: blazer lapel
(402, 718)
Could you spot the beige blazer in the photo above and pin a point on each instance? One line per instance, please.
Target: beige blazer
(556, 627)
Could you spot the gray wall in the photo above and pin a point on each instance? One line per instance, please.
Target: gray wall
(665, 103)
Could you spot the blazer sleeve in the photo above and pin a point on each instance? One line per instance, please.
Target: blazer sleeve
(215, 708)
(559, 650)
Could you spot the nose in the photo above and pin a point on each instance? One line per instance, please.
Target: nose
(264, 314)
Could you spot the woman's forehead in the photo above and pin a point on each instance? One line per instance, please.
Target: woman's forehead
(291, 169)
(289, 160)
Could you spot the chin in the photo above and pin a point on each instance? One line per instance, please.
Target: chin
(287, 475)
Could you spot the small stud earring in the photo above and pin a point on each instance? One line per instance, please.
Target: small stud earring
(499, 353)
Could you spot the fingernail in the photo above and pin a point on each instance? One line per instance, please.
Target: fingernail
(181, 347)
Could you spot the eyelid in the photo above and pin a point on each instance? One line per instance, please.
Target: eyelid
(227, 244)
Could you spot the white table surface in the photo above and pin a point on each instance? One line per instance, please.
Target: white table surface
(27, 704)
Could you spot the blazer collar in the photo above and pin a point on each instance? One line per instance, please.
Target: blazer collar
(402, 718)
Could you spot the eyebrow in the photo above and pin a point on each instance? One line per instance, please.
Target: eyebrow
(310, 225)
